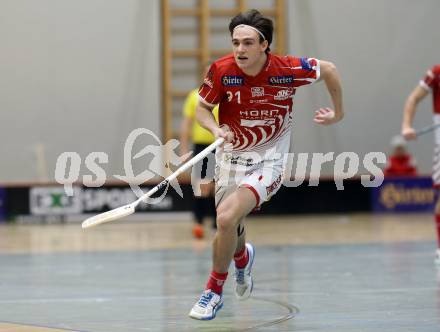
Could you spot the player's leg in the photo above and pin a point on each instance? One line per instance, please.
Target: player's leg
(202, 206)
(243, 261)
(208, 192)
(263, 183)
(229, 214)
(436, 183)
(198, 212)
(241, 238)
(201, 193)
(210, 204)
(231, 210)
(437, 225)
(207, 198)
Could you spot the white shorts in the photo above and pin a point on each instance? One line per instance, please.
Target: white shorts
(264, 179)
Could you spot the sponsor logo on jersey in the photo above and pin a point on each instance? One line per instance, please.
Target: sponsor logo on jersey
(256, 123)
(232, 80)
(258, 114)
(258, 101)
(305, 64)
(283, 94)
(257, 91)
(274, 80)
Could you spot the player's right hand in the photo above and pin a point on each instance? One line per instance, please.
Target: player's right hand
(224, 132)
(409, 133)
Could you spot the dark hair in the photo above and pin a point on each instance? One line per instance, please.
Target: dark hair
(254, 18)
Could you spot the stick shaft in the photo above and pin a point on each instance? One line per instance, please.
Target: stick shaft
(427, 129)
(182, 169)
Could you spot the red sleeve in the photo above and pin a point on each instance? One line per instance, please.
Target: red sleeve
(305, 70)
(430, 78)
(210, 92)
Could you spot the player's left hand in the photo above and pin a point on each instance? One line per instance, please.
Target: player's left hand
(325, 116)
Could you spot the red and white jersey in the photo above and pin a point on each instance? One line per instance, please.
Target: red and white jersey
(431, 82)
(258, 109)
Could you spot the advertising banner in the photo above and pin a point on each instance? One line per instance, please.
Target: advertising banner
(409, 194)
(53, 200)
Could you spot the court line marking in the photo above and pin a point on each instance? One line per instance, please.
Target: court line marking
(292, 311)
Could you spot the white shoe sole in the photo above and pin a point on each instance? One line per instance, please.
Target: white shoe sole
(195, 315)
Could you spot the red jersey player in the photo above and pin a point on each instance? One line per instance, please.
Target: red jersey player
(255, 90)
(431, 82)
(400, 162)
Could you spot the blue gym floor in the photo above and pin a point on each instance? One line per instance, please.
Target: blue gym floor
(382, 286)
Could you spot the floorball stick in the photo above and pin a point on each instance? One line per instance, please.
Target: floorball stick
(128, 209)
(427, 129)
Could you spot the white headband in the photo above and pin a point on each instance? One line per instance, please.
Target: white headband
(253, 28)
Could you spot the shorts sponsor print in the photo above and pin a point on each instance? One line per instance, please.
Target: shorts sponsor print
(263, 178)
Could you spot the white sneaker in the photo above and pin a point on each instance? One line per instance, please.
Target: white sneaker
(243, 278)
(437, 257)
(207, 306)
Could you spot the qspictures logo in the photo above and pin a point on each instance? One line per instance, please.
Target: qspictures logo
(67, 172)
(68, 165)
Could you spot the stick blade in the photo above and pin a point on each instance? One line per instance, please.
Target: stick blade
(114, 214)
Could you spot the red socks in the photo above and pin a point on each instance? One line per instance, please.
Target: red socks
(241, 258)
(437, 224)
(216, 282)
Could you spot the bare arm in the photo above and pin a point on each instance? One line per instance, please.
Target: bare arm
(409, 111)
(330, 75)
(205, 117)
(207, 120)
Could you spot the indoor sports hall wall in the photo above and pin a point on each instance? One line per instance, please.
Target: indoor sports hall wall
(80, 75)
(75, 75)
(382, 49)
